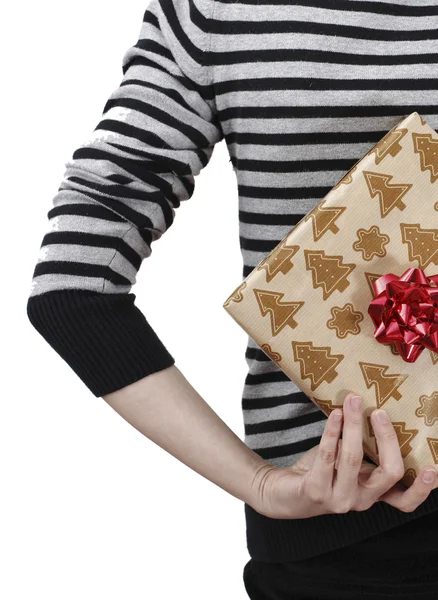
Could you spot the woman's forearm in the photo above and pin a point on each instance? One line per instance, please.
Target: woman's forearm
(169, 411)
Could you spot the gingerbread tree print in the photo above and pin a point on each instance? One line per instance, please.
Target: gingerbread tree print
(409, 477)
(427, 147)
(404, 436)
(348, 177)
(278, 261)
(316, 362)
(389, 194)
(386, 385)
(389, 145)
(394, 349)
(237, 295)
(422, 243)
(328, 272)
(323, 219)
(281, 313)
(371, 278)
(326, 406)
(433, 447)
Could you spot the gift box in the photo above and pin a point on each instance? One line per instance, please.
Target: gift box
(348, 300)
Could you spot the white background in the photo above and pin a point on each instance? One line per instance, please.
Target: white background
(90, 509)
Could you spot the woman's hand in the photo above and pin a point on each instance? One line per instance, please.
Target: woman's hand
(333, 478)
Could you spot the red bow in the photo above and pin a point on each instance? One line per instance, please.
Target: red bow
(405, 312)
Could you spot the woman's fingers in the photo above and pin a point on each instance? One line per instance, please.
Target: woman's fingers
(333, 480)
(351, 454)
(391, 466)
(321, 476)
(339, 454)
(409, 499)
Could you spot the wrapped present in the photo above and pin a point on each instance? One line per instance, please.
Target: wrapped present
(348, 300)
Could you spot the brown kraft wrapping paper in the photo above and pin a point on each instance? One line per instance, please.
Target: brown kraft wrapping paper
(306, 303)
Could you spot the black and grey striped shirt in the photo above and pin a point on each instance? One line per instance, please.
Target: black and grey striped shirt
(299, 90)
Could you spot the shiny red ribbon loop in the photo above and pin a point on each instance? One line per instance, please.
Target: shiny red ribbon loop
(405, 312)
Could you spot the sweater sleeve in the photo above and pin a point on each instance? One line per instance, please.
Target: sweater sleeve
(119, 194)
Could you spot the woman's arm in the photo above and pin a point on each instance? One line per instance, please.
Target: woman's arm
(167, 409)
(329, 478)
(120, 194)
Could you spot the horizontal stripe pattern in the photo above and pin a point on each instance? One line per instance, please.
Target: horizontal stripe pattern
(331, 79)
(342, 7)
(299, 91)
(122, 185)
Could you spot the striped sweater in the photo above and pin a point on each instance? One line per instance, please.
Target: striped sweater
(299, 90)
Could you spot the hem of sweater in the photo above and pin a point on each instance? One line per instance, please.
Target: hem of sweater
(282, 540)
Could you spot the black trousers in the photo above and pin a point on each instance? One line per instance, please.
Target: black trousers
(399, 563)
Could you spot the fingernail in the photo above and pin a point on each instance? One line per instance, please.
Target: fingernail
(355, 402)
(429, 475)
(381, 416)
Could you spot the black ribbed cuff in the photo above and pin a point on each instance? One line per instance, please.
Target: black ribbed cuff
(104, 338)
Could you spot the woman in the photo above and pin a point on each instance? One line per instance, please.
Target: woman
(299, 91)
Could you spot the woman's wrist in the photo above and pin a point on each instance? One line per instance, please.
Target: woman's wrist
(170, 412)
(261, 478)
